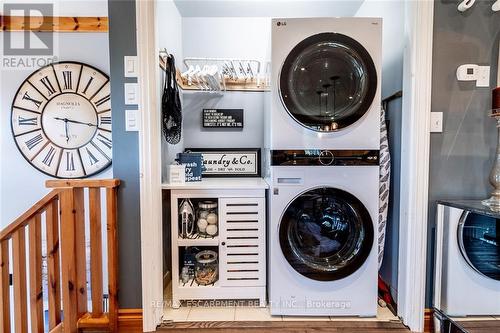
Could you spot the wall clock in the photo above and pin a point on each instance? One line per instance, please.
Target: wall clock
(61, 120)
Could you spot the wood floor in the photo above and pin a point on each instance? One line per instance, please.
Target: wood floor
(285, 327)
(480, 326)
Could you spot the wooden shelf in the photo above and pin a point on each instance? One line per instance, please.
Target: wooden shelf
(231, 85)
(198, 241)
(220, 184)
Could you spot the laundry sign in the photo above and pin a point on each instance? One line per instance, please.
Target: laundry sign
(226, 162)
(223, 118)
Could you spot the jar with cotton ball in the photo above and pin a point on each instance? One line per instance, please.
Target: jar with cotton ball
(207, 218)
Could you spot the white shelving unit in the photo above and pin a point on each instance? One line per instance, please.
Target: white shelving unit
(240, 241)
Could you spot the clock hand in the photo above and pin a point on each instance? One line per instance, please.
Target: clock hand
(66, 129)
(79, 122)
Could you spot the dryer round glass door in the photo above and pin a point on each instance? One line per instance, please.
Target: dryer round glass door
(328, 82)
(326, 234)
(479, 242)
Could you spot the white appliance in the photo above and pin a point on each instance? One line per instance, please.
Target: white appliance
(323, 208)
(325, 83)
(467, 260)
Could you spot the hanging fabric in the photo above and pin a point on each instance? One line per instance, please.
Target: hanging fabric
(171, 104)
(385, 177)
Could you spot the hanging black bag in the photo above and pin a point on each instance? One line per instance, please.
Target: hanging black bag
(171, 104)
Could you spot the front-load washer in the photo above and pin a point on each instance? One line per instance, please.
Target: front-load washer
(467, 262)
(323, 206)
(325, 83)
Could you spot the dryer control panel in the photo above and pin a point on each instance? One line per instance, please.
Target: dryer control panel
(324, 157)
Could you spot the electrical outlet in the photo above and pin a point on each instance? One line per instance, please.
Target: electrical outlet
(436, 122)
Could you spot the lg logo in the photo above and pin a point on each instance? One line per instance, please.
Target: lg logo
(281, 23)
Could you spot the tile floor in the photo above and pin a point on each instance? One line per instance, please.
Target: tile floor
(247, 311)
(251, 313)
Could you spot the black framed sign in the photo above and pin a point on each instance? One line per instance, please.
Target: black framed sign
(229, 162)
(222, 118)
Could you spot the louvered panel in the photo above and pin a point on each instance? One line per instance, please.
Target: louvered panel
(242, 250)
(242, 233)
(240, 242)
(242, 224)
(243, 217)
(246, 266)
(232, 251)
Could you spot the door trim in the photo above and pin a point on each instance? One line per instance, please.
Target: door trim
(150, 166)
(417, 76)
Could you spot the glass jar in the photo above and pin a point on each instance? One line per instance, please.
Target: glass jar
(206, 267)
(207, 219)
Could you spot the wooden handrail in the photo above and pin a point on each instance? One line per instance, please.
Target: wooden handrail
(62, 211)
(64, 183)
(23, 220)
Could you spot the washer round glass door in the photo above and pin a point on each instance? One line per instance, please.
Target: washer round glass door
(328, 82)
(479, 242)
(326, 234)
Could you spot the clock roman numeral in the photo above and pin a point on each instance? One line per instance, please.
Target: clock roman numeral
(88, 85)
(46, 82)
(34, 141)
(47, 160)
(102, 100)
(105, 120)
(27, 121)
(93, 159)
(68, 83)
(70, 162)
(104, 140)
(26, 96)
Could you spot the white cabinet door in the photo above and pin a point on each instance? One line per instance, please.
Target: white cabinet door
(242, 251)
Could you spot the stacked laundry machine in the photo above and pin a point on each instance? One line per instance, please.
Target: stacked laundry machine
(323, 142)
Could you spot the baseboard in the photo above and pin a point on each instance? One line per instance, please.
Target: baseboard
(429, 321)
(130, 320)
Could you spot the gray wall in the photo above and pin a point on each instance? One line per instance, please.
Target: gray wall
(389, 269)
(122, 42)
(462, 156)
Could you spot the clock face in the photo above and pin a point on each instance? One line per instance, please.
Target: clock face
(61, 120)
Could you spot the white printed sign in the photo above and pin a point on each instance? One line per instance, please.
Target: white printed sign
(230, 163)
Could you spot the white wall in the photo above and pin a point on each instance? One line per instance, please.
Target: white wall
(21, 184)
(170, 38)
(71, 7)
(267, 8)
(392, 13)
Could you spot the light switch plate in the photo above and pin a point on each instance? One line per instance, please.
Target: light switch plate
(131, 93)
(132, 121)
(130, 64)
(436, 122)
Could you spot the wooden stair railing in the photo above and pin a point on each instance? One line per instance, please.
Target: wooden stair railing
(61, 216)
